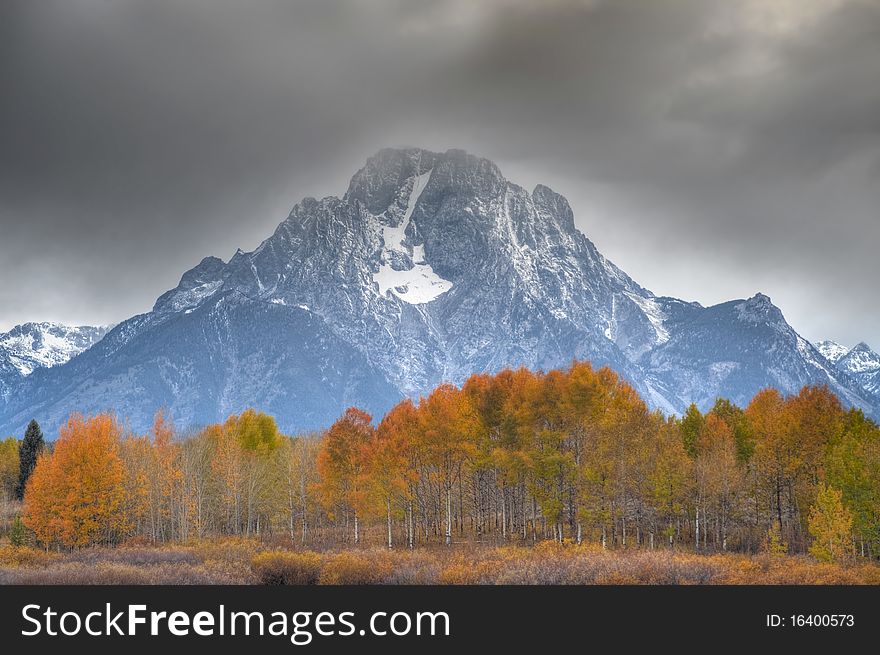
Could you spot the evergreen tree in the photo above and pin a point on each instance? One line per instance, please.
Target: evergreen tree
(31, 447)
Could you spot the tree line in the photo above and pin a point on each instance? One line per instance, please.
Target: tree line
(519, 456)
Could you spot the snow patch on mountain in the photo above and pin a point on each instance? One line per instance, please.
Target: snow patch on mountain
(404, 271)
(653, 313)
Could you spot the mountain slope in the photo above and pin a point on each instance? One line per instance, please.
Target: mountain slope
(735, 349)
(432, 266)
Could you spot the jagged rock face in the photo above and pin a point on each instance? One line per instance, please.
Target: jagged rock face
(431, 267)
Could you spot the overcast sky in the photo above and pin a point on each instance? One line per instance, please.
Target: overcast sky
(712, 149)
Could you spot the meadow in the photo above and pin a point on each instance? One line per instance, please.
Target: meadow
(237, 561)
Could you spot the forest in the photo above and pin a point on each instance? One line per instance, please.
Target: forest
(513, 460)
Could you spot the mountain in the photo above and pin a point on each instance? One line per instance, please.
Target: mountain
(31, 346)
(831, 350)
(860, 362)
(430, 267)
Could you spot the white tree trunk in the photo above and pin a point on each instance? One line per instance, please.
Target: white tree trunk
(389, 523)
(448, 515)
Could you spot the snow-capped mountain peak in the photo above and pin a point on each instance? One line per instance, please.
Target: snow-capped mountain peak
(860, 363)
(861, 359)
(831, 350)
(43, 345)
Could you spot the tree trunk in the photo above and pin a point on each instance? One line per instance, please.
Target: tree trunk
(503, 514)
(390, 545)
(448, 514)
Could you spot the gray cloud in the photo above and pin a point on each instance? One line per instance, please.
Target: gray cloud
(712, 149)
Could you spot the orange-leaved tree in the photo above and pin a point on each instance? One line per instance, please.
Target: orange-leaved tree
(451, 430)
(391, 462)
(341, 464)
(74, 497)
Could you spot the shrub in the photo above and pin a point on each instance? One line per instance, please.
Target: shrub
(227, 549)
(469, 572)
(414, 568)
(353, 569)
(109, 573)
(18, 533)
(135, 556)
(22, 556)
(287, 568)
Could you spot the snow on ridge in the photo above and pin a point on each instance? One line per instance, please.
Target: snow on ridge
(652, 311)
(419, 284)
(44, 345)
(660, 401)
(831, 350)
(860, 360)
(191, 298)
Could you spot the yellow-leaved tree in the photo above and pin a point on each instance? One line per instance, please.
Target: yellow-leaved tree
(9, 467)
(831, 526)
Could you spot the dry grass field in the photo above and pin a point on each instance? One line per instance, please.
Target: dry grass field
(244, 561)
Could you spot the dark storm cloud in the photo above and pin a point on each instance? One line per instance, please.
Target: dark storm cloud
(712, 149)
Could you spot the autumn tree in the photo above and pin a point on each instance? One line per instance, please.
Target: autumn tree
(75, 496)
(553, 464)
(299, 474)
(391, 459)
(450, 427)
(830, 525)
(774, 460)
(164, 478)
(29, 451)
(670, 479)
(199, 486)
(773, 543)
(341, 464)
(136, 453)
(257, 436)
(691, 424)
(501, 466)
(817, 419)
(718, 478)
(736, 420)
(852, 465)
(9, 467)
